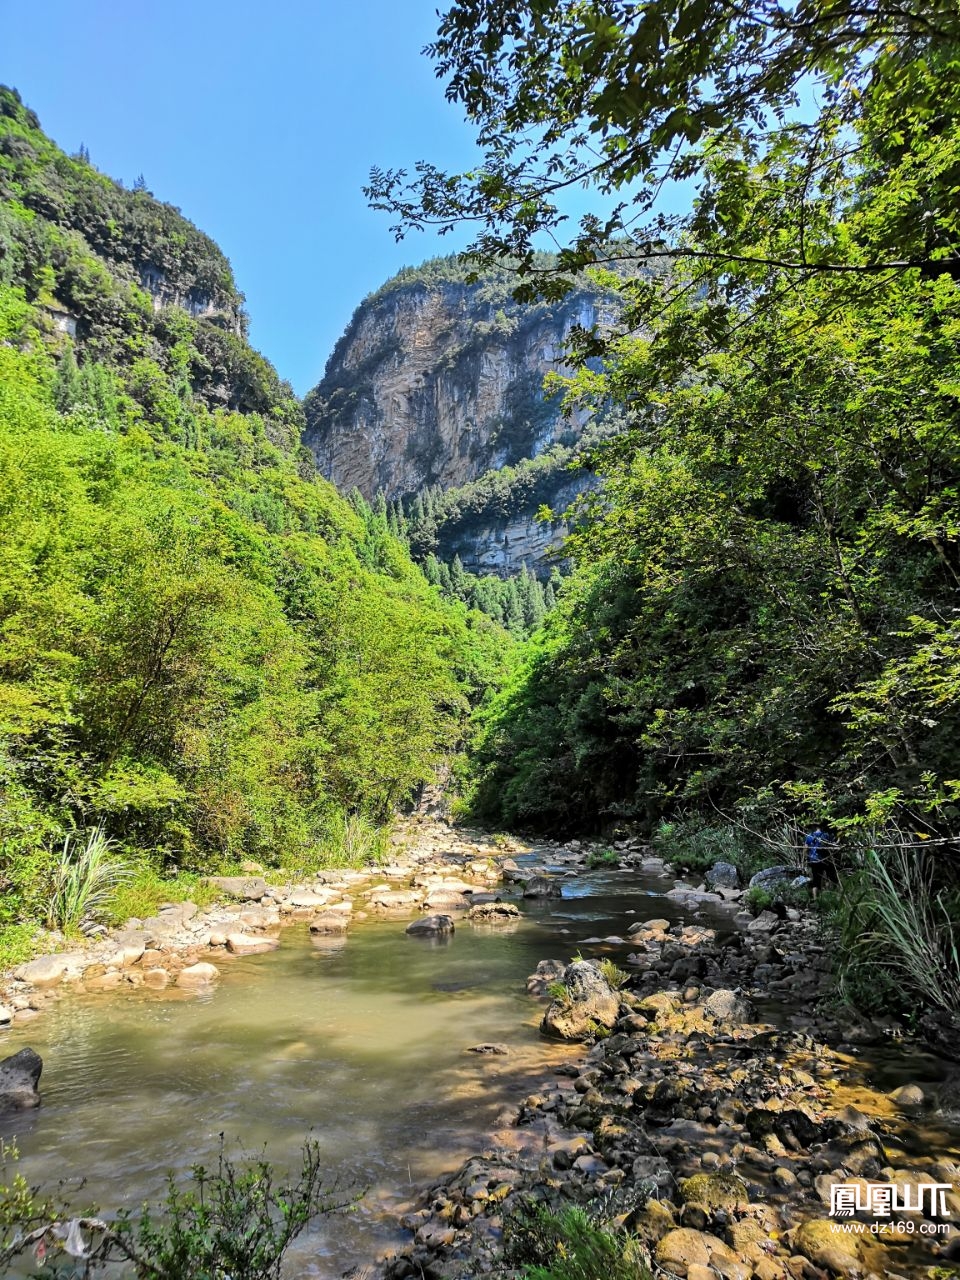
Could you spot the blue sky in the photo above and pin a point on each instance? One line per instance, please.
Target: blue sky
(261, 123)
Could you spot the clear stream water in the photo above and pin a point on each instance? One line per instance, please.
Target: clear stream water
(362, 1042)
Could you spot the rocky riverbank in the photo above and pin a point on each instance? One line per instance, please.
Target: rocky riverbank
(712, 1115)
(713, 1103)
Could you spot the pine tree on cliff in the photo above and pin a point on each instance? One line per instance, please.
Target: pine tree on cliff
(458, 578)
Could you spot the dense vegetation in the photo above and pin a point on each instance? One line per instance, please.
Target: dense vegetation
(205, 649)
(518, 602)
(763, 619)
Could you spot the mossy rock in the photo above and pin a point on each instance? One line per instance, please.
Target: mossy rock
(714, 1191)
(828, 1244)
(659, 1004)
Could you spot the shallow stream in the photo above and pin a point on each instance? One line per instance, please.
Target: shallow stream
(362, 1041)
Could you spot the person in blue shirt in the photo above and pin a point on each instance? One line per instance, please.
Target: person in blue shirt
(819, 843)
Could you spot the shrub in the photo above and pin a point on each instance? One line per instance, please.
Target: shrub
(598, 858)
(691, 843)
(235, 1223)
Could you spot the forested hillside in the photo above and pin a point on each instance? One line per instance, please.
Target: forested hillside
(203, 648)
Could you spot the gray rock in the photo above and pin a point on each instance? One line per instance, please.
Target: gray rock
(547, 971)
(330, 922)
(723, 875)
(497, 1050)
(45, 971)
(727, 1006)
(908, 1095)
(19, 1077)
(245, 944)
(42, 972)
(431, 926)
(542, 887)
(246, 888)
(771, 878)
(589, 1003)
(765, 922)
(198, 975)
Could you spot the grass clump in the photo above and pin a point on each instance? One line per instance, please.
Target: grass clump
(18, 942)
(895, 915)
(84, 880)
(570, 1243)
(615, 976)
(346, 840)
(146, 889)
(597, 859)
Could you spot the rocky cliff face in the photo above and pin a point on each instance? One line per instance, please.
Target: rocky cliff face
(438, 382)
(435, 383)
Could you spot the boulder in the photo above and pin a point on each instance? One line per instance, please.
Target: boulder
(588, 1004)
(394, 899)
(658, 926)
(6, 1015)
(828, 1244)
(431, 927)
(542, 887)
(448, 900)
(765, 922)
(714, 1191)
(45, 971)
(198, 975)
(684, 1247)
(19, 1077)
(309, 898)
(494, 913)
(246, 888)
(246, 944)
(156, 979)
(723, 875)
(726, 1006)
(773, 878)
(547, 971)
(908, 1095)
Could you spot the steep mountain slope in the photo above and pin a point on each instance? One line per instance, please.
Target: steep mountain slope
(202, 645)
(438, 384)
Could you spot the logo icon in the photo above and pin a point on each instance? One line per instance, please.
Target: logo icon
(882, 1199)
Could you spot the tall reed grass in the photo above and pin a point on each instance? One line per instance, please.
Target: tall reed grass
(84, 879)
(899, 924)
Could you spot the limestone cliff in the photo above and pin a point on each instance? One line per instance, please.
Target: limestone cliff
(438, 382)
